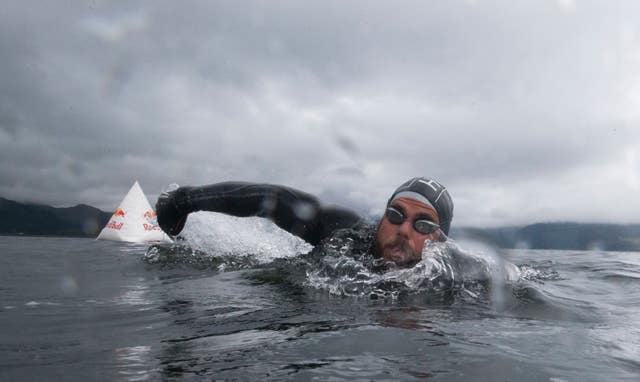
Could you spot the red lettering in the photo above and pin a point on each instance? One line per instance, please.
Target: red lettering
(114, 225)
(149, 227)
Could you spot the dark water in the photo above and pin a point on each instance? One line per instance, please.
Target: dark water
(79, 309)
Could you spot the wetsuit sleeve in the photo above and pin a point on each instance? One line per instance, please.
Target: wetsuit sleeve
(294, 211)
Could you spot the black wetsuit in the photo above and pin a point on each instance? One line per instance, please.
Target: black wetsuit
(292, 210)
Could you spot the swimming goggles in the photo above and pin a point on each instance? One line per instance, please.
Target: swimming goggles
(422, 226)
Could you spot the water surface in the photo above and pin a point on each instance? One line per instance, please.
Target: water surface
(78, 309)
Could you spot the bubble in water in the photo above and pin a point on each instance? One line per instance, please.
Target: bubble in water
(539, 271)
(152, 255)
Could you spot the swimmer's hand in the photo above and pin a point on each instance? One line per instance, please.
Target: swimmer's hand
(172, 209)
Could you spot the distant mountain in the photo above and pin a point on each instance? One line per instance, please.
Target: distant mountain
(83, 220)
(580, 236)
(36, 219)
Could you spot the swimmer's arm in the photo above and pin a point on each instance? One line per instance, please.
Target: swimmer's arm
(294, 211)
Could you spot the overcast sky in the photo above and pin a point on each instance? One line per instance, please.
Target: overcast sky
(527, 111)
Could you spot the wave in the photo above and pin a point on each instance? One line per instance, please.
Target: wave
(342, 267)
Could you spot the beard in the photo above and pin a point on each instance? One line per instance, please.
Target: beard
(398, 251)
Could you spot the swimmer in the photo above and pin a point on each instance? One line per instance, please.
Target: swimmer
(420, 209)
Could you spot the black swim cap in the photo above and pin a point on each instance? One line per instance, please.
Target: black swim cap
(429, 192)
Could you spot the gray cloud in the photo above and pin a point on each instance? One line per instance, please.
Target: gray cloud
(527, 111)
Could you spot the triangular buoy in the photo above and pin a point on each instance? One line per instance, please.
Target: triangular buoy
(134, 220)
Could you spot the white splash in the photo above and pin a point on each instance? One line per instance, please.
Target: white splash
(259, 238)
(444, 267)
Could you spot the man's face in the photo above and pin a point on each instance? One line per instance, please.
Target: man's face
(401, 243)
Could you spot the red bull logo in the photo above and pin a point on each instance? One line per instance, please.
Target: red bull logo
(151, 218)
(119, 213)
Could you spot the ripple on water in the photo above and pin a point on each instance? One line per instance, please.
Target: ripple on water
(344, 267)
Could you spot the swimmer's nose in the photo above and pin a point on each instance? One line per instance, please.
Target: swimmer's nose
(405, 228)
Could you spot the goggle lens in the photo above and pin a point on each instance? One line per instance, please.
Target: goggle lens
(395, 217)
(425, 226)
(422, 226)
